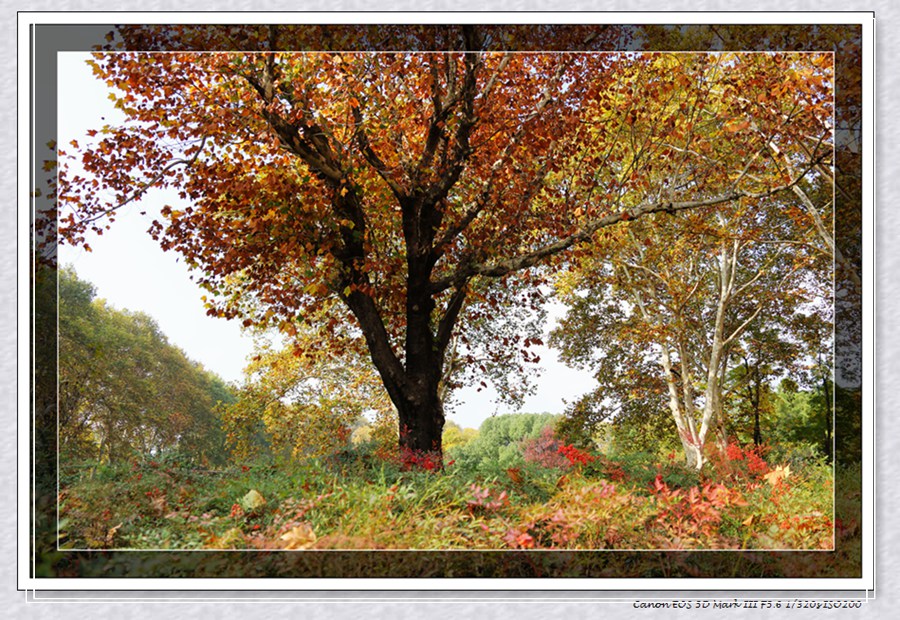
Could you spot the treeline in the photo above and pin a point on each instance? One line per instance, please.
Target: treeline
(125, 392)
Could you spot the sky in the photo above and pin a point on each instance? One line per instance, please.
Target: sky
(130, 271)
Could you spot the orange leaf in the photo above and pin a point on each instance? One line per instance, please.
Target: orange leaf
(735, 127)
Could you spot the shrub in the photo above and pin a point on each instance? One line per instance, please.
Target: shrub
(544, 450)
(739, 462)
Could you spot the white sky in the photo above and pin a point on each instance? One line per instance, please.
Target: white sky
(132, 272)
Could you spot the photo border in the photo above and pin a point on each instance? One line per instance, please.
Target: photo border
(30, 25)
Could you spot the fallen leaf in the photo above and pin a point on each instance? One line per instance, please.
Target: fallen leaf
(111, 534)
(299, 537)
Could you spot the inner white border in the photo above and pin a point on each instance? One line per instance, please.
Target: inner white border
(25, 106)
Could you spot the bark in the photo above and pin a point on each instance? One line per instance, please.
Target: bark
(757, 431)
(422, 422)
(754, 394)
(682, 412)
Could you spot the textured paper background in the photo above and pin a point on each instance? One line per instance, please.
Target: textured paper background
(887, 326)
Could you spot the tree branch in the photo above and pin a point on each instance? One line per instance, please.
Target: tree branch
(143, 188)
(502, 267)
(445, 326)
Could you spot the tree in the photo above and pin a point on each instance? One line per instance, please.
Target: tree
(124, 391)
(303, 399)
(762, 354)
(412, 185)
(457, 436)
(499, 439)
(683, 296)
(599, 335)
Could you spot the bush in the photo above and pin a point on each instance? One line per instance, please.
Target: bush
(799, 455)
(544, 449)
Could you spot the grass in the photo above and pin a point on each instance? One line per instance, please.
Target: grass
(367, 503)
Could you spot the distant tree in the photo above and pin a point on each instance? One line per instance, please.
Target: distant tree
(499, 439)
(124, 390)
(456, 436)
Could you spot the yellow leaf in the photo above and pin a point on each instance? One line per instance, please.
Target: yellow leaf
(343, 191)
(778, 474)
(748, 521)
(299, 537)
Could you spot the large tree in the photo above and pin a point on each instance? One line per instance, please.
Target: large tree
(413, 185)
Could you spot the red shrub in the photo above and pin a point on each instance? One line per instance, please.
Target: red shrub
(575, 456)
(737, 462)
(411, 459)
(734, 452)
(544, 450)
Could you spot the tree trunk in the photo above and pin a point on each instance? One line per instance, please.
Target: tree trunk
(757, 431)
(422, 424)
(693, 455)
(414, 384)
(757, 397)
(682, 413)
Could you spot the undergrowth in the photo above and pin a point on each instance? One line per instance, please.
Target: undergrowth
(357, 501)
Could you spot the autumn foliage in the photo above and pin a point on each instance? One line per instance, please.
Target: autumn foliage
(412, 187)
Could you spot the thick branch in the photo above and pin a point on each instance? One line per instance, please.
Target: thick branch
(310, 147)
(366, 312)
